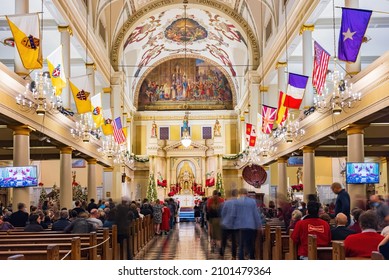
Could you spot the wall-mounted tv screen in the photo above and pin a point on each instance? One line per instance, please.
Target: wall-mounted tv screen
(18, 177)
(362, 173)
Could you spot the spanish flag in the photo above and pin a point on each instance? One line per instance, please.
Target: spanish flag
(107, 125)
(81, 89)
(26, 32)
(56, 69)
(97, 113)
(282, 112)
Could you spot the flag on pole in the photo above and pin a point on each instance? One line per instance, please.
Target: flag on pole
(26, 33)
(352, 31)
(56, 69)
(107, 125)
(251, 134)
(97, 109)
(268, 118)
(295, 91)
(320, 66)
(118, 133)
(81, 89)
(282, 112)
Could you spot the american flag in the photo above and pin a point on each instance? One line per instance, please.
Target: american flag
(118, 133)
(268, 118)
(251, 134)
(320, 66)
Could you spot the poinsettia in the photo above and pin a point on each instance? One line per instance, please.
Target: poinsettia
(298, 187)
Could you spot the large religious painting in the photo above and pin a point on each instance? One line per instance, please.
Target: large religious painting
(182, 84)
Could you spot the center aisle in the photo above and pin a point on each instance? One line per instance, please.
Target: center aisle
(186, 241)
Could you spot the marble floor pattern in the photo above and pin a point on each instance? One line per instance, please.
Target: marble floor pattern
(187, 241)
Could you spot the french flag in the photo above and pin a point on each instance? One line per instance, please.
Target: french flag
(295, 91)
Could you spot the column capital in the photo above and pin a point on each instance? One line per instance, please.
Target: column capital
(107, 169)
(263, 88)
(282, 160)
(67, 28)
(90, 65)
(307, 27)
(281, 64)
(242, 118)
(66, 150)
(21, 129)
(91, 161)
(107, 90)
(356, 129)
(308, 149)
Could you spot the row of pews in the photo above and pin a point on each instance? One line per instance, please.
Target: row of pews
(277, 245)
(53, 245)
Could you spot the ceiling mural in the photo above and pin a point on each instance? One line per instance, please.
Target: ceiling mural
(191, 83)
(181, 32)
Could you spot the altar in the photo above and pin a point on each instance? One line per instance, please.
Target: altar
(186, 200)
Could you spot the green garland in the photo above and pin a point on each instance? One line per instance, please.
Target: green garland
(136, 158)
(240, 155)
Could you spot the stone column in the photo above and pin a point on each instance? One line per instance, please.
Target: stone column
(282, 188)
(306, 31)
(21, 7)
(21, 157)
(309, 171)
(66, 190)
(66, 32)
(242, 130)
(90, 71)
(107, 182)
(254, 99)
(117, 187)
(203, 172)
(92, 188)
(281, 67)
(356, 153)
(168, 173)
(353, 68)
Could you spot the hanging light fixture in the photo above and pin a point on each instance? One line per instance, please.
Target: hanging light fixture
(265, 146)
(39, 96)
(109, 147)
(338, 94)
(290, 132)
(85, 128)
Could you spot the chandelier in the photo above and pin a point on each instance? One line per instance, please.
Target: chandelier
(290, 132)
(85, 128)
(39, 96)
(109, 147)
(250, 156)
(338, 95)
(265, 145)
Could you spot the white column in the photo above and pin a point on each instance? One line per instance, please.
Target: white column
(21, 7)
(168, 173)
(306, 31)
(242, 130)
(21, 157)
(107, 182)
(90, 71)
(309, 182)
(117, 191)
(254, 100)
(66, 191)
(282, 188)
(92, 187)
(356, 153)
(281, 66)
(353, 68)
(203, 172)
(66, 32)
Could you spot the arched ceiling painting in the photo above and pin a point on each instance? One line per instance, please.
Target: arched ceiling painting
(185, 32)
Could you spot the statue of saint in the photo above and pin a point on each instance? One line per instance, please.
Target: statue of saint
(299, 175)
(217, 129)
(154, 130)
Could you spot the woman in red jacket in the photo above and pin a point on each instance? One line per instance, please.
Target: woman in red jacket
(165, 226)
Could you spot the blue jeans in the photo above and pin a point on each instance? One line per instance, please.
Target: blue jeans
(247, 243)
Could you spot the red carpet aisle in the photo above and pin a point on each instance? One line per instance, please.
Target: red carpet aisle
(186, 241)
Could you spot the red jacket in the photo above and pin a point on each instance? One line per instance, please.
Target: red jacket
(362, 244)
(314, 226)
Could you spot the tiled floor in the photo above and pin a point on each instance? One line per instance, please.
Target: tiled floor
(186, 241)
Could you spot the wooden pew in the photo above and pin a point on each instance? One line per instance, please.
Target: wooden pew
(292, 254)
(338, 250)
(318, 253)
(267, 243)
(281, 245)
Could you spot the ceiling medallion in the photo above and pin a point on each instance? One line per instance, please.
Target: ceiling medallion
(185, 30)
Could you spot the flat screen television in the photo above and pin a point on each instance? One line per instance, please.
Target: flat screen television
(362, 173)
(18, 177)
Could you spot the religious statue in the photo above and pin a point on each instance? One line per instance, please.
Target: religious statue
(186, 177)
(154, 130)
(217, 129)
(299, 174)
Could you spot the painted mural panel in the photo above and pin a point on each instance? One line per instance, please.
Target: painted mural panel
(191, 83)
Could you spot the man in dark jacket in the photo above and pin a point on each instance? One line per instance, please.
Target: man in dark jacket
(342, 203)
(340, 232)
(34, 225)
(63, 221)
(20, 217)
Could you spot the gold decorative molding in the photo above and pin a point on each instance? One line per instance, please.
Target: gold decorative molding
(307, 27)
(90, 65)
(66, 28)
(107, 90)
(242, 118)
(21, 130)
(282, 160)
(356, 129)
(179, 117)
(66, 150)
(308, 149)
(91, 161)
(263, 88)
(280, 64)
(108, 169)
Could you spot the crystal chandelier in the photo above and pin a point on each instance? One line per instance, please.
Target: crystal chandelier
(265, 145)
(250, 156)
(85, 128)
(338, 95)
(39, 96)
(290, 132)
(109, 147)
